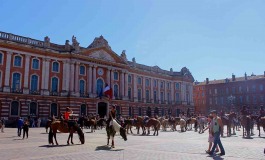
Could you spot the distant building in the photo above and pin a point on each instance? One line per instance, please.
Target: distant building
(230, 93)
(41, 79)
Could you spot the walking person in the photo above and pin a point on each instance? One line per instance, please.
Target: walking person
(211, 137)
(39, 121)
(217, 129)
(26, 128)
(19, 126)
(3, 124)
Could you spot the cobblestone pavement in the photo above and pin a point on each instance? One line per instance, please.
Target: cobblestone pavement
(168, 145)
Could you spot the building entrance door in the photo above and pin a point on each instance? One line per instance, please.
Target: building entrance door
(102, 109)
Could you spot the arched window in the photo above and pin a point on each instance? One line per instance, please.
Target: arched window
(139, 111)
(129, 93)
(82, 86)
(35, 64)
(55, 84)
(16, 81)
(34, 83)
(116, 76)
(129, 79)
(83, 110)
(54, 110)
(14, 111)
(147, 82)
(139, 94)
(116, 91)
(1, 58)
(82, 70)
(33, 110)
(18, 61)
(55, 67)
(99, 86)
(162, 97)
(155, 100)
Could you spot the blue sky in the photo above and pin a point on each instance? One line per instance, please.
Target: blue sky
(213, 38)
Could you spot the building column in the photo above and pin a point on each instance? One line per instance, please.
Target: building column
(95, 80)
(126, 86)
(7, 72)
(89, 84)
(122, 84)
(66, 77)
(26, 75)
(144, 98)
(135, 88)
(77, 64)
(72, 80)
(151, 90)
(45, 78)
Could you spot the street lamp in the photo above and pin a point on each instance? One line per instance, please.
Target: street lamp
(231, 99)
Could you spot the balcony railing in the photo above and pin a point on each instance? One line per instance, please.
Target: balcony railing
(83, 94)
(16, 90)
(54, 93)
(34, 92)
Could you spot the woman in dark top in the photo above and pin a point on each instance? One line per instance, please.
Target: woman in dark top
(26, 128)
(112, 115)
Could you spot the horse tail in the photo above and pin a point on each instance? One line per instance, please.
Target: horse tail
(50, 136)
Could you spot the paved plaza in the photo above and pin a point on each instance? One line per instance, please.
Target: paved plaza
(168, 145)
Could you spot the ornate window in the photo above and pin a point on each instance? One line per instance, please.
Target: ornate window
(99, 86)
(162, 96)
(35, 64)
(18, 61)
(14, 111)
(55, 67)
(54, 110)
(116, 91)
(82, 86)
(33, 110)
(1, 58)
(34, 83)
(177, 86)
(147, 82)
(83, 110)
(155, 83)
(139, 80)
(261, 87)
(129, 79)
(82, 70)
(55, 83)
(162, 85)
(16, 81)
(116, 76)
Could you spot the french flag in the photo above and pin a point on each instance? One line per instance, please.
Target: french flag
(108, 91)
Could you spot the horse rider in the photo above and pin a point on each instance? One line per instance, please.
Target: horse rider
(244, 111)
(112, 115)
(146, 118)
(67, 113)
(261, 113)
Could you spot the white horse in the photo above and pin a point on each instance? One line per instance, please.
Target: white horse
(112, 129)
(182, 124)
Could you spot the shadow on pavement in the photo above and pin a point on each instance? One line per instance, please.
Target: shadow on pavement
(106, 148)
(63, 145)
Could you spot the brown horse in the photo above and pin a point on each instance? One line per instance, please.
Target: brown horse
(151, 122)
(171, 122)
(129, 123)
(246, 125)
(48, 125)
(92, 123)
(59, 125)
(261, 123)
(228, 121)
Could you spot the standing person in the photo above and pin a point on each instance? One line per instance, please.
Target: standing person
(19, 126)
(112, 115)
(211, 137)
(217, 128)
(26, 128)
(32, 122)
(39, 121)
(3, 124)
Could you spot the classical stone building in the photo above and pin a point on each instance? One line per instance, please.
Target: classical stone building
(40, 78)
(230, 93)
